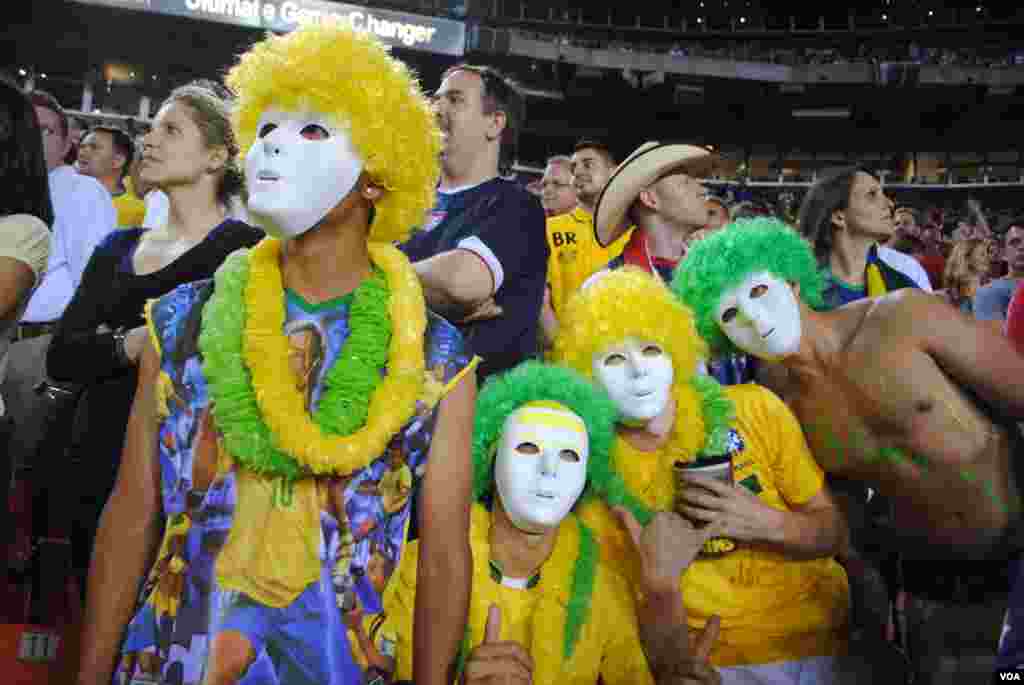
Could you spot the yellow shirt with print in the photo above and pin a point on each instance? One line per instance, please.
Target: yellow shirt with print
(575, 253)
(130, 210)
(609, 645)
(773, 608)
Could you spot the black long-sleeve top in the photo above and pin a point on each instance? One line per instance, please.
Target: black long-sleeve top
(113, 296)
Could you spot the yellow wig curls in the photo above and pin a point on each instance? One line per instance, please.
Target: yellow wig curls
(350, 76)
(622, 304)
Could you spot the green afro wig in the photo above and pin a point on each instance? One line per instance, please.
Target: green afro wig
(531, 382)
(726, 257)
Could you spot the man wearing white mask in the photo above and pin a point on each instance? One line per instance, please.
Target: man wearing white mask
(769, 574)
(658, 188)
(544, 610)
(313, 347)
(900, 392)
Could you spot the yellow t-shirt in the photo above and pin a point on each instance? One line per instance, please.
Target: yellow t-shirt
(130, 209)
(276, 554)
(609, 644)
(575, 253)
(773, 608)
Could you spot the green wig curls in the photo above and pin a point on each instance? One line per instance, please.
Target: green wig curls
(533, 381)
(726, 257)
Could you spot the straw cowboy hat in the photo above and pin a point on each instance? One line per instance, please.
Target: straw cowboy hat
(647, 164)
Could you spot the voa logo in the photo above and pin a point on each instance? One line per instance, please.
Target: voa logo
(1009, 676)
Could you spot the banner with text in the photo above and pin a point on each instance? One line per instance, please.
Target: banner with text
(431, 34)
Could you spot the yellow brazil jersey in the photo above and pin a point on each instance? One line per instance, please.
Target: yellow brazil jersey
(575, 254)
(130, 209)
(609, 646)
(773, 608)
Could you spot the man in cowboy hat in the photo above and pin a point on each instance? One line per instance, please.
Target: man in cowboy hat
(657, 188)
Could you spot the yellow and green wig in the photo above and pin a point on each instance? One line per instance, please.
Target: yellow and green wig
(630, 303)
(533, 383)
(351, 77)
(725, 258)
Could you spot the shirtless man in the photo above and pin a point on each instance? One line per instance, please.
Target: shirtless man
(900, 391)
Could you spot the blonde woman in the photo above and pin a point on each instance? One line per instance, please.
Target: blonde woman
(967, 265)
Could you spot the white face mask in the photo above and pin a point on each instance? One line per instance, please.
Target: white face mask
(761, 316)
(298, 169)
(637, 375)
(541, 467)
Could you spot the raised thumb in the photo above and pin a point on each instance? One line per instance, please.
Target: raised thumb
(492, 631)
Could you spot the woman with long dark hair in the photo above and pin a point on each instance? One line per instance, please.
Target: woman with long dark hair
(846, 216)
(191, 155)
(25, 218)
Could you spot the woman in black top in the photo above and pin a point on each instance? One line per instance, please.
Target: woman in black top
(191, 155)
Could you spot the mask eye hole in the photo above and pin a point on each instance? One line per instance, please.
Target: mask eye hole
(614, 359)
(314, 132)
(758, 290)
(569, 456)
(266, 130)
(652, 351)
(527, 448)
(729, 314)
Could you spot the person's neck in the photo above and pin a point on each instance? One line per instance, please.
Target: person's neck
(1015, 273)
(193, 212)
(650, 435)
(589, 203)
(482, 167)
(822, 336)
(328, 261)
(113, 185)
(849, 257)
(519, 554)
(666, 240)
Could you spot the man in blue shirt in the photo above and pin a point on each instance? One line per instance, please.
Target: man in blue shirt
(482, 255)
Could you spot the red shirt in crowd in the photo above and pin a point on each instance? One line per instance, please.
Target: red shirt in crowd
(1015, 319)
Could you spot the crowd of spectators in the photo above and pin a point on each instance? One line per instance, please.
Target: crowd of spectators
(489, 260)
(989, 57)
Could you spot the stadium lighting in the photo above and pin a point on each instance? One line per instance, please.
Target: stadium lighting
(22, 72)
(885, 17)
(822, 113)
(931, 13)
(743, 20)
(700, 20)
(42, 75)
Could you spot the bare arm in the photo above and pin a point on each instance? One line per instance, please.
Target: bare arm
(814, 529)
(16, 279)
(127, 537)
(548, 321)
(974, 354)
(444, 572)
(667, 546)
(455, 282)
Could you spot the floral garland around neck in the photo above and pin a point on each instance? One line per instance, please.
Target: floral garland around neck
(259, 409)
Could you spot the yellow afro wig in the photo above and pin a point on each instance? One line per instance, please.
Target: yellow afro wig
(627, 303)
(351, 77)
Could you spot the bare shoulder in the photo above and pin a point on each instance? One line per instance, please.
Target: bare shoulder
(911, 310)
